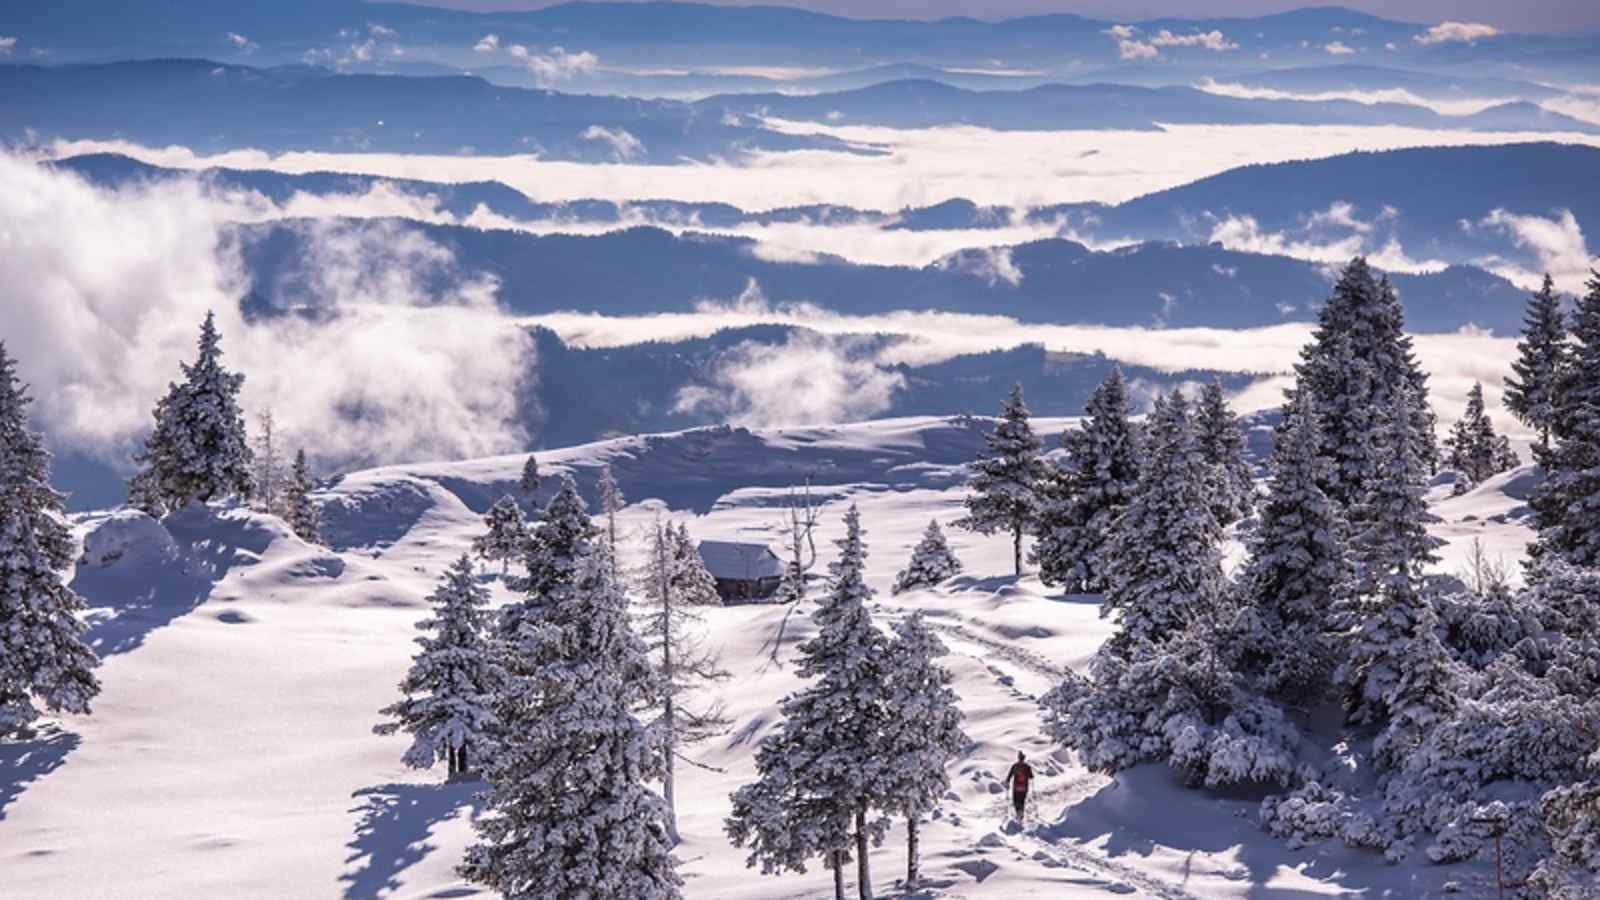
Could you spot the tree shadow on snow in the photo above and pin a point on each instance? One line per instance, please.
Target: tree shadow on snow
(1148, 806)
(392, 834)
(25, 761)
(144, 591)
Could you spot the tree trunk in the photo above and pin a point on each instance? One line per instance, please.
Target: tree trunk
(666, 778)
(863, 873)
(1016, 548)
(461, 764)
(911, 853)
(450, 762)
(838, 875)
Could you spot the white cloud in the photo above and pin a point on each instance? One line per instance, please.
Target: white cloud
(110, 287)
(624, 146)
(1455, 32)
(7, 44)
(1210, 40)
(558, 65)
(489, 43)
(517, 51)
(382, 31)
(242, 43)
(1128, 47)
(921, 167)
(1331, 236)
(1338, 48)
(992, 264)
(1465, 107)
(1557, 242)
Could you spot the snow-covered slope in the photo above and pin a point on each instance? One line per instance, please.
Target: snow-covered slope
(231, 752)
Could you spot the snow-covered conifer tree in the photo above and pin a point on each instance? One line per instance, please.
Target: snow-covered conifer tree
(694, 583)
(1083, 495)
(1003, 491)
(674, 586)
(1473, 449)
(305, 518)
(1533, 393)
(266, 478)
(1390, 550)
(198, 450)
(1358, 358)
(1505, 456)
(1568, 501)
(505, 535)
(568, 811)
(823, 774)
(1298, 573)
(42, 654)
(924, 732)
(931, 562)
(551, 554)
(1222, 446)
(529, 482)
(611, 503)
(1163, 565)
(449, 688)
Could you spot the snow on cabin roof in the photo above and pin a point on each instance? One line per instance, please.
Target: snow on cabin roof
(735, 561)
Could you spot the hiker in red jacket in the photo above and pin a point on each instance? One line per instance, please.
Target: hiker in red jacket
(1020, 777)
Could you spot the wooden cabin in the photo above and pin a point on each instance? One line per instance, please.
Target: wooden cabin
(745, 573)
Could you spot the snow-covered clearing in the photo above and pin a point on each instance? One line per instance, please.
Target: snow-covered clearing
(231, 753)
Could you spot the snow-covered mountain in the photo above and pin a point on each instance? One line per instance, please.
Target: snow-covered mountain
(231, 751)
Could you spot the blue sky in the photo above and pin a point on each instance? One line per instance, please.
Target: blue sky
(1526, 15)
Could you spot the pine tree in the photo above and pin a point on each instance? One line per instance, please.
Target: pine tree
(1567, 502)
(1163, 566)
(924, 732)
(42, 654)
(266, 479)
(823, 773)
(198, 449)
(611, 503)
(1083, 495)
(1391, 549)
(305, 518)
(448, 690)
(1505, 456)
(1222, 446)
(931, 562)
(1358, 360)
(1003, 491)
(1533, 395)
(568, 813)
(505, 534)
(529, 483)
(1298, 574)
(675, 583)
(550, 556)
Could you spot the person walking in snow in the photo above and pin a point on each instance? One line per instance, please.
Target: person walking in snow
(1020, 777)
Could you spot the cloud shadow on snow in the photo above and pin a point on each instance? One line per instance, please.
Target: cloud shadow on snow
(23, 762)
(392, 834)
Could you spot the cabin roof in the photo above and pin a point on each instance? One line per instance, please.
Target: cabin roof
(736, 561)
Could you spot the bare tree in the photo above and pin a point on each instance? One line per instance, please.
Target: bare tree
(801, 516)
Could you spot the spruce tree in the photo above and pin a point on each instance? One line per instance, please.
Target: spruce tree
(1358, 359)
(1163, 566)
(824, 772)
(305, 518)
(931, 562)
(1472, 448)
(1003, 491)
(198, 450)
(505, 535)
(1391, 548)
(42, 654)
(528, 484)
(550, 556)
(1083, 495)
(674, 586)
(1533, 393)
(568, 811)
(447, 707)
(694, 583)
(1298, 574)
(924, 731)
(1567, 502)
(611, 503)
(1223, 448)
